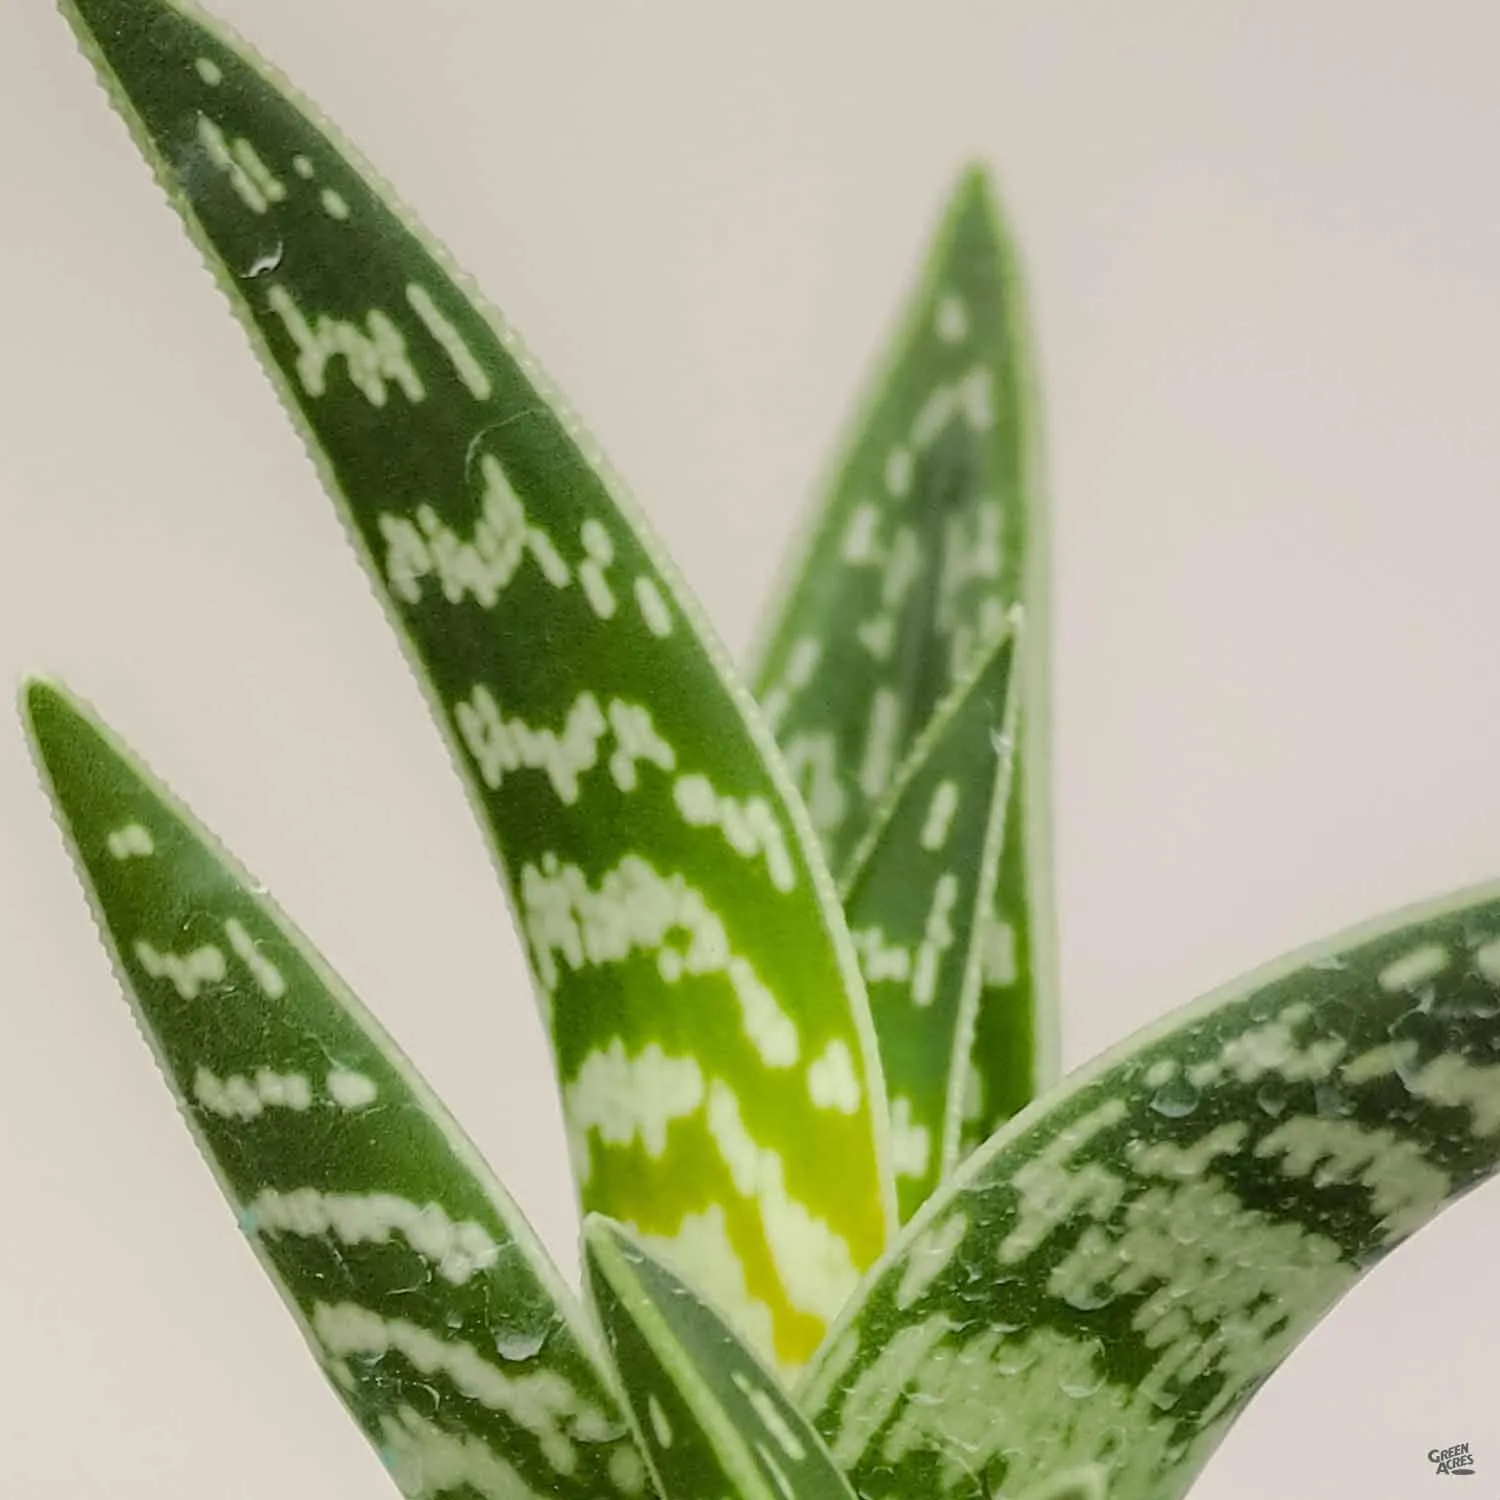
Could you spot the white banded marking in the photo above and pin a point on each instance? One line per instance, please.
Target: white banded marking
(374, 356)
(459, 1250)
(246, 1098)
(442, 328)
(188, 973)
(749, 826)
(266, 975)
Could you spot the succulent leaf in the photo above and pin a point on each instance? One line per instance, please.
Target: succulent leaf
(920, 900)
(1013, 1051)
(719, 1077)
(1089, 1302)
(710, 1417)
(920, 545)
(420, 1288)
(929, 534)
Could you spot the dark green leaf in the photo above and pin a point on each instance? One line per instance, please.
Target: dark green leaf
(416, 1282)
(931, 531)
(717, 1064)
(710, 1417)
(920, 903)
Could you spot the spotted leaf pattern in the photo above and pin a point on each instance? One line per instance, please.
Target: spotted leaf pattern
(710, 1417)
(920, 900)
(919, 548)
(418, 1285)
(930, 533)
(717, 1064)
(1086, 1306)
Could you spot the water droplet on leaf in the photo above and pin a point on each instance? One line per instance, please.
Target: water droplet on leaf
(1272, 1096)
(1089, 1298)
(1333, 1102)
(1175, 1099)
(264, 261)
(1088, 1379)
(516, 1344)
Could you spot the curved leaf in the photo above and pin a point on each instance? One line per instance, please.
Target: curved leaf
(920, 903)
(415, 1280)
(719, 1077)
(1096, 1295)
(710, 1418)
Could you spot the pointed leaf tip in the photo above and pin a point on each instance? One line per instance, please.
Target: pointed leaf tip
(920, 901)
(922, 540)
(719, 1075)
(712, 1419)
(930, 531)
(415, 1280)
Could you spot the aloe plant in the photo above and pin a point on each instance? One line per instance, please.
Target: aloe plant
(845, 1232)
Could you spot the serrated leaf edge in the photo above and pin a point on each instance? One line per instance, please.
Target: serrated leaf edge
(1292, 962)
(600, 1234)
(507, 1210)
(739, 694)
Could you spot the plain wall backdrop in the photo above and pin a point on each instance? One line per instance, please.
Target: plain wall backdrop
(1263, 241)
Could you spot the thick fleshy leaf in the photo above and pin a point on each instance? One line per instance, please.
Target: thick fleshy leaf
(1013, 1055)
(712, 1420)
(923, 540)
(930, 532)
(920, 902)
(717, 1063)
(414, 1278)
(1096, 1295)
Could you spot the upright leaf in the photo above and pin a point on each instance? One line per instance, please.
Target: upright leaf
(920, 546)
(710, 1418)
(1013, 1050)
(414, 1278)
(920, 902)
(717, 1064)
(1092, 1300)
(930, 533)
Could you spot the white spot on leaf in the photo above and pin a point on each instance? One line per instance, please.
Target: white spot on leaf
(832, 1082)
(653, 607)
(349, 1089)
(132, 841)
(659, 1423)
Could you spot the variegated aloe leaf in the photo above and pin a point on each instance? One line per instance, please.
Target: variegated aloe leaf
(923, 541)
(931, 531)
(1013, 1053)
(920, 902)
(711, 1419)
(719, 1077)
(1097, 1293)
(421, 1290)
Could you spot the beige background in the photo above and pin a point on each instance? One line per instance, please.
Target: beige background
(1264, 239)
